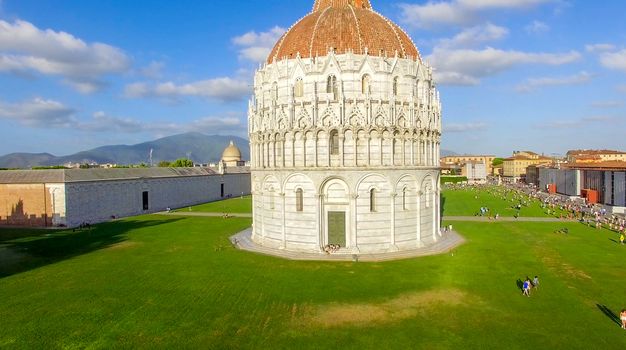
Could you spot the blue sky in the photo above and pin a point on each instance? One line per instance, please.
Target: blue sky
(542, 75)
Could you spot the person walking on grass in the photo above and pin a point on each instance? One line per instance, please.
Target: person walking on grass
(622, 317)
(536, 282)
(621, 238)
(526, 288)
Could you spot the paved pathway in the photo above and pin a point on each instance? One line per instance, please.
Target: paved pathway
(448, 242)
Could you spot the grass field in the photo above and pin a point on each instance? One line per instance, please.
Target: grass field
(467, 202)
(158, 282)
(236, 205)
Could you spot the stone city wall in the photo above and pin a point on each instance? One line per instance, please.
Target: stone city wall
(92, 202)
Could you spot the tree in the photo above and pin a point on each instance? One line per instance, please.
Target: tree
(164, 164)
(497, 161)
(182, 163)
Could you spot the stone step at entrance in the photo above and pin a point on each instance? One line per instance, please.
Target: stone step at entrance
(449, 240)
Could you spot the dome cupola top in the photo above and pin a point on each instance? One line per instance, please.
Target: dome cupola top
(344, 26)
(323, 4)
(231, 153)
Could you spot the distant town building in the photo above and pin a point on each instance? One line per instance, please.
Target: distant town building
(514, 168)
(595, 156)
(460, 160)
(70, 197)
(476, 172)
(603, 183)
(497, 170)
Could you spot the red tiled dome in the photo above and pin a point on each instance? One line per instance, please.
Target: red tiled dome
(343, 26)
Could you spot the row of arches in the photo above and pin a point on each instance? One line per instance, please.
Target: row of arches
(344, 148)
(332, 87)
(298, 212)
(424, 123)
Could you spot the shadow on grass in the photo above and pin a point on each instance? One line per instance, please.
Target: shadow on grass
(520, 284)
(24, 250)
(614, 240)
(605, 310)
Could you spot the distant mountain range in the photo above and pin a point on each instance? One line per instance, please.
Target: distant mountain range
(199, 147)
(446, 153)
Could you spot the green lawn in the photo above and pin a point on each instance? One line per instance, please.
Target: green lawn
(236, 205)
(158, 282)
(467, 202)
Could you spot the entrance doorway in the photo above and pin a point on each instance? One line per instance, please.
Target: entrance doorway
(337, 228)
(145, 201)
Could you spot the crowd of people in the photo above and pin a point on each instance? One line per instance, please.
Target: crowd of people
(331, 248)
(555, 205)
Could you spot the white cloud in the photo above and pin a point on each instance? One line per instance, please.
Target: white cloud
(455, 78)
(607, 104)
(609, 55)
(533, 84)
(474, 36)
(38, 113)
(433, 14)
(468, 66)
(256, 47)
(466, 127)
(592, 120)
(221, 89)
(459, 12)
(501, 4)
(102, 122)
(614, 60)
(598, 118)
(154, 70)
(50, 114)
(537, 27)
(26, 48)
(594, 48)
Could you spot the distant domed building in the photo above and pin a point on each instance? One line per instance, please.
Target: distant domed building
(345, 128)
(231, 157)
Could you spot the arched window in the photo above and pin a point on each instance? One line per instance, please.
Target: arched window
(331, 86)
(404, 206)
(372, 200)
(299, 200)
(334, 142)
(395, 86)
(365, 84)
(272, 206)
(299, 88)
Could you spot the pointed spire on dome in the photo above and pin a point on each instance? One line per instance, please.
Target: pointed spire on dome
(323, 4)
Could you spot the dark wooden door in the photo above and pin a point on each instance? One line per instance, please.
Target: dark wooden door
(337, 228)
